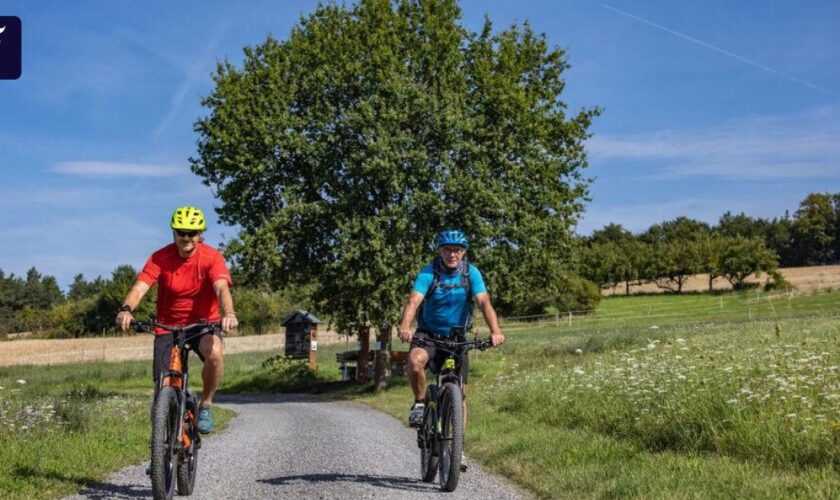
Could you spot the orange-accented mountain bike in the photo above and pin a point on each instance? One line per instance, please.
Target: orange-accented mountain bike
(175, 437)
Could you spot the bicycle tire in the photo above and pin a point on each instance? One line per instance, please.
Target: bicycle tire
(428, 439)
(164, 433)
(188, 467)
(452, 427)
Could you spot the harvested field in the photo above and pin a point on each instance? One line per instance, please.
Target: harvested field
(130, 347)
(804, 279)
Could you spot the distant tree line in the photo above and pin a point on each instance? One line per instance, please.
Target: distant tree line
(738, 246)
(36, 304)
(666, 254)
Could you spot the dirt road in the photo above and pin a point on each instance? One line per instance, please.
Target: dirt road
(57, 351)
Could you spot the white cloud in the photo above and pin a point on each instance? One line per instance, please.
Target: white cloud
(24, 197)
(797, 147)
(117, 169)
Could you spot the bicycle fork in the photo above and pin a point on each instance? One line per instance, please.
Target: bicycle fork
(178, 378)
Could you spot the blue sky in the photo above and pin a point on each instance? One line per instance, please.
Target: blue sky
(709, 106)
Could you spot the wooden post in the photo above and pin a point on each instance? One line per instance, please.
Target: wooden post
(570, 319)
(364, 353)
(382, 366)
(313, 347)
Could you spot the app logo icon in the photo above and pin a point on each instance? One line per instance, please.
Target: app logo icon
(10, 48)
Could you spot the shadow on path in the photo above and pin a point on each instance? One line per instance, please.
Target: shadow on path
(105, 490)
(392, 482)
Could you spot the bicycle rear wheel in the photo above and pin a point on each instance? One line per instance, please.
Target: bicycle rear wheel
(427, 439)
(452, 438)
(164, 433)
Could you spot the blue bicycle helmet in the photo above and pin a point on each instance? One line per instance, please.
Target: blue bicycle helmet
(452, 237)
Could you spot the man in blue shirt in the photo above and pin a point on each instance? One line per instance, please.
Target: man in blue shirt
(446, 306)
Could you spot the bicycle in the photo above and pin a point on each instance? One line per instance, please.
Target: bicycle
(175, 438)
(441, 434)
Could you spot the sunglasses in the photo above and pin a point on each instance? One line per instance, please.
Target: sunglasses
(186, 234)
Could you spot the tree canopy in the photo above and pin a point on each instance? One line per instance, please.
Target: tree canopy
(342, 150)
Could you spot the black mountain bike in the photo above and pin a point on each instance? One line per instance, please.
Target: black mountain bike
(175, 437)
(441, 435)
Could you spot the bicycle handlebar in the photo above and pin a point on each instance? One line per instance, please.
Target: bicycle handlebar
(200, 328)
(480, 344)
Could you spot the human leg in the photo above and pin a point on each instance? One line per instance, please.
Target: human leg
(418, 357)
(417, 360)
(211, 349)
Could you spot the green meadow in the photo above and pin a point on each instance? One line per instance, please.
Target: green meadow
(660, 396)
(731, 396)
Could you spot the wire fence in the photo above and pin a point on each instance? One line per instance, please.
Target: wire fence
(753, 306)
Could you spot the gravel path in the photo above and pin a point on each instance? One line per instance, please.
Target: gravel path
(296, 446)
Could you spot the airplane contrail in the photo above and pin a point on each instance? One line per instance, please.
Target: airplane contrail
(710, 46)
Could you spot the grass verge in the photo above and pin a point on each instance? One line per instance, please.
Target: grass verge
(65, 426)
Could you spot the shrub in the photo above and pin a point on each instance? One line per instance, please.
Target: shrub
(776, 281)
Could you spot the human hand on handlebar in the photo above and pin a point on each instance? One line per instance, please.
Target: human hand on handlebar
(229, 322)
(406, 334)
(124, 319)
(497, 339)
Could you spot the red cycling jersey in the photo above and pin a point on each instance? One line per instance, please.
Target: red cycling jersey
(185, 286)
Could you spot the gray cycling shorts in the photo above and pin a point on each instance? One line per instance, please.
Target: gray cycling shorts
(437, 357)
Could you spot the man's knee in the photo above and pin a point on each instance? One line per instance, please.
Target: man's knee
(417, 359)
(211, 348)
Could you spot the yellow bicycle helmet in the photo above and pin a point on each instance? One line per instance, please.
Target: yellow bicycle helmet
(188, 219)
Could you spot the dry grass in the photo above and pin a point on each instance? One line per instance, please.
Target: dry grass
(129, 347)
(804, 279)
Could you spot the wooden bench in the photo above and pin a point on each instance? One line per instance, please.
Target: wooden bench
(348, 363)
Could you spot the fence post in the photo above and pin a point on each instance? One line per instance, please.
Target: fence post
(556, 318)
(570, 319)
(313, 347)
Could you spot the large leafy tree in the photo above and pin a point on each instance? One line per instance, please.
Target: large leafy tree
(742, 257)
(342, 150)
(813, 231)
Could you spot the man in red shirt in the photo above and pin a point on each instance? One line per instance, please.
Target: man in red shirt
(193, 280)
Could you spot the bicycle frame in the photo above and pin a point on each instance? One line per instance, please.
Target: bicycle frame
(175, 421)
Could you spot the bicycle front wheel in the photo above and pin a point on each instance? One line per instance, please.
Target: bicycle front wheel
(188, 464)
(452, 436)
(164, 434)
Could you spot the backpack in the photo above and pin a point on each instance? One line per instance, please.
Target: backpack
(464, 270)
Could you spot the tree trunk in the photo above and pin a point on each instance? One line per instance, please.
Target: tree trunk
(382, 369)
(364, 354)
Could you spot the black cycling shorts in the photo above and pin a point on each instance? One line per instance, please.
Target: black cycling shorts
(163, 351)
(436, 358)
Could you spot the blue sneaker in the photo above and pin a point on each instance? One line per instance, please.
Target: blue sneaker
(205, 419)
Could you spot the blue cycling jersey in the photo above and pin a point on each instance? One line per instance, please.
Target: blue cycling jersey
(447, 307)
